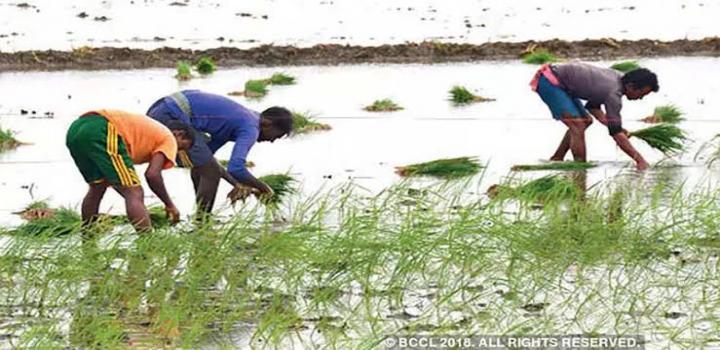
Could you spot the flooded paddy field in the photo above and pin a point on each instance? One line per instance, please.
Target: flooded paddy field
(360, 254)
(149, 24)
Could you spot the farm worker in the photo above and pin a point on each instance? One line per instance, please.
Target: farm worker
(106, 143)
(223, 120)
(562, 86)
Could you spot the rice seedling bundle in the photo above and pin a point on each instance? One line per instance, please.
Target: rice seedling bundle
(545, 189)
(7, 140)
(281, 184)
(184, 71)
(625, 66)
(666, 138)
(384, 105)
(566, 166)
(205, 66)
(53, 222)
(540, 56)
(450, 168)
(461, 95)
(665, 114)
(303, 122)
(280, 79)
(256, 88)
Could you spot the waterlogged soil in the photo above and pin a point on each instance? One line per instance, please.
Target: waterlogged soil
(90, 58)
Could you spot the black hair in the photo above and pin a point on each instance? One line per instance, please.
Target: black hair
(185, 130)
(281, 118)
(640, 78)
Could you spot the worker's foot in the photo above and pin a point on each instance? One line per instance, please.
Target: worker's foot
(556, 159)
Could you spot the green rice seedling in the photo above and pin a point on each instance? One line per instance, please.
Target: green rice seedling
(459, 95)
(303, 122)
(205, 66)
(625, 66)
(665, 114)
(281, 184)
(566, 166)
(545, 189)
(450, 168)
(255, 88)
(280, 79)
(384, 105)
(540, 56)
(666, 138)
(7, 140)
(184, 71)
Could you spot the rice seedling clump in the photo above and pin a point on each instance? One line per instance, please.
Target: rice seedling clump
(184, 71)
(460, 95)
(205, 66)
(542, 190)
(281, 184)
(566, 166)
(540, 56)
(303, 122)
(256, 88)
(7, 140)
(665, 114)
(666, 138)
(384, 105)
(625, 66)
(280, 79)
(450, 168)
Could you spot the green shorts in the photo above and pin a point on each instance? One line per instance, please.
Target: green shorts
(100, 153)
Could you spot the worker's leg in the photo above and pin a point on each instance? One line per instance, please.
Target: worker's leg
(135, 207)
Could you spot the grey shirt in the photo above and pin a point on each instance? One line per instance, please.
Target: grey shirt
(598, 86)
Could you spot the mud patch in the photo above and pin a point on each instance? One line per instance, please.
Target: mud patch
(332, 54)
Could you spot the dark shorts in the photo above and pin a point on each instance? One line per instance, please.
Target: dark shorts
(199, 154)
(100, 153)
(559, 101)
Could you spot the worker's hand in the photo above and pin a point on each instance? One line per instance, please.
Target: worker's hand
(239, 192)
(173, 214)
(627, 133)
(641, 165)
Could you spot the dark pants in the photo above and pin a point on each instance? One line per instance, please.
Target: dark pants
(206, 179)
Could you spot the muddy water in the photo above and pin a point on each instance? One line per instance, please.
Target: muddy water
(152, 23)
(362, 147)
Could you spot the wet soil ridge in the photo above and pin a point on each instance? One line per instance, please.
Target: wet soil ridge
(330, 54)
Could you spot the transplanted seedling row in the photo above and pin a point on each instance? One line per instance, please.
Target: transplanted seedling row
(346, 261)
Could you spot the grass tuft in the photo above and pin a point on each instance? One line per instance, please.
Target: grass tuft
(666, 138)
(625, 66)
(7, 140)
(540, 56)
(205, 66)
(303, 122)
(450, 168)
(567, 166)
(280, 79)
(184, 71)
(384, 105)
(460, 96)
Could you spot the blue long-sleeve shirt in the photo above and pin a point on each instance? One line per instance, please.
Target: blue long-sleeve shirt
(224, 120)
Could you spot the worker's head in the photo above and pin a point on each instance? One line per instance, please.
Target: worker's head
(275, 122)
(639, 82)
(183, 133)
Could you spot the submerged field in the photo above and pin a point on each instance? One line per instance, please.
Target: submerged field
(358, 253)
